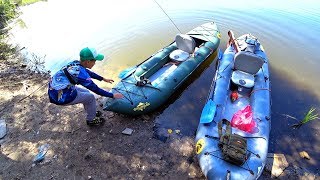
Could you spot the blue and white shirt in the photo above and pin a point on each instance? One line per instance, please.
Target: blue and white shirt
(62, 84)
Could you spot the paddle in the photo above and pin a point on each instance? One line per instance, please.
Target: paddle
(208, 112)
(232, 41)
(125, 73)
(209, 109)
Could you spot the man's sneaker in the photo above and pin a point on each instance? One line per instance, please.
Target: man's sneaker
(98, 113)
(96, 121)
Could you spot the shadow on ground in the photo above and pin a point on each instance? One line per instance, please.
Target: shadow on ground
(77, 151)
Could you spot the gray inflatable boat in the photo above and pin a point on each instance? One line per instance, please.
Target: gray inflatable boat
(241, 80)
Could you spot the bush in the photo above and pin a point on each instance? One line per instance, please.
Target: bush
(8, 11)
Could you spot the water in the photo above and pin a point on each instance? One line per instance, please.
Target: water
(128, 32)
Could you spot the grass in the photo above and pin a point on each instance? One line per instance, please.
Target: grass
(310, 115)
(27, 2)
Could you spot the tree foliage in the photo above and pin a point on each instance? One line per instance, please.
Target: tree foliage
(8, 11)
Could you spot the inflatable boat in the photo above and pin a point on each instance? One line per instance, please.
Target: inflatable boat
(149, 84)
(233, 133)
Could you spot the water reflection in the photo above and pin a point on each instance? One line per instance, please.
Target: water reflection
(288, 101)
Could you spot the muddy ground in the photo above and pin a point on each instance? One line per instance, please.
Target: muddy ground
(77, 151)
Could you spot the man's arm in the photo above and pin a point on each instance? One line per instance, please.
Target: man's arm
(84, 78)
(94, 75)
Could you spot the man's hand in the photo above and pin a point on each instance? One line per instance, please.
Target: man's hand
(117, 95)
(108, 80)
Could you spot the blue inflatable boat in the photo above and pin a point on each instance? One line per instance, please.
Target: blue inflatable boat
(240, 92)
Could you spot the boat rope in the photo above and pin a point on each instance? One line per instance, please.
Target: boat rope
(248, 169)
(145, 97)
(218, 35)
(205, 35)
(206, 30)
(129, 99)
(146, 85)
(212, 154)
(254, 137)
(255, 90)
(167, 16)
(256, 154)
(127, 92)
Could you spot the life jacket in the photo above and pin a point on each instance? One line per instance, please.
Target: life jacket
(61, 88)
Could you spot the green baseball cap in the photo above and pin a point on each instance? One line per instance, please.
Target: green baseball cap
(90, 54)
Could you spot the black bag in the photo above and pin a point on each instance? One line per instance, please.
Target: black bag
(233, 146)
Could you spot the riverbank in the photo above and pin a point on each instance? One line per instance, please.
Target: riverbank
(76, 151)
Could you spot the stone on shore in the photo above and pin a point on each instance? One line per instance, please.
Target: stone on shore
(127, 131)
(3, 128)
(276, 164)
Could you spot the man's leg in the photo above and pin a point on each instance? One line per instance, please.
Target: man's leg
(88, 100)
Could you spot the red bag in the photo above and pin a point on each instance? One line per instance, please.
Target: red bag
(243, 120)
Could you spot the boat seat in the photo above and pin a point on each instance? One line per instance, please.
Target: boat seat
(246, 65)
(186, 47)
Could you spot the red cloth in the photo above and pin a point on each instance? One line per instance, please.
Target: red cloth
(243, 120)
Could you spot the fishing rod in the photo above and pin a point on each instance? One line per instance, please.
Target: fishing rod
(179, 29)
(177, 26)
(167, 16)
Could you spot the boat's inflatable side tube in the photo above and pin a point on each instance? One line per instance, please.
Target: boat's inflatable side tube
(188, 66)
(260, 101)
(155, 62)
(204, 51)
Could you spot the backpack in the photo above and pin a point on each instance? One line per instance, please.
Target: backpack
(232, 146)
(62, 86)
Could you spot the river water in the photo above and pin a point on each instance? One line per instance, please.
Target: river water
(128, 32)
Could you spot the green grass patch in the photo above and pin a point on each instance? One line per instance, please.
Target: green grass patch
(310, 115)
